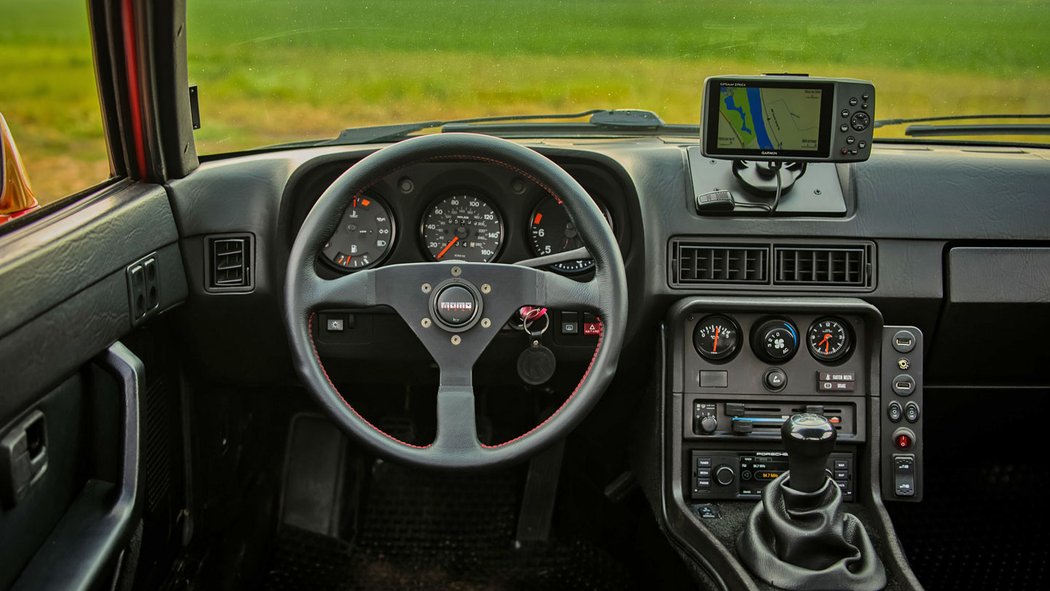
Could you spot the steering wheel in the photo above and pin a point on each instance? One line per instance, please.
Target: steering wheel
(457, 308)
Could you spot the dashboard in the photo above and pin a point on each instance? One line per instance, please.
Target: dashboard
(857, 300)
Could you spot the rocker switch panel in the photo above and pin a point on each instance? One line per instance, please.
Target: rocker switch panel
(901, 411)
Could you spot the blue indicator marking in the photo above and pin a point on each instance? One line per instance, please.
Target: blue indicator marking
(791, 329)
(760, 420)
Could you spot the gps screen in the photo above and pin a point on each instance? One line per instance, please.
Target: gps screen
(781, 119)
(768, 118)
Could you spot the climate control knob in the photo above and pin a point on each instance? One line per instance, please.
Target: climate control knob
(724, 475)
(706, 424)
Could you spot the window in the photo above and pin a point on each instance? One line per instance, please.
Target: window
(48, 95)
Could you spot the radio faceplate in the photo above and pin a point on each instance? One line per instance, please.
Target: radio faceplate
(734, 474)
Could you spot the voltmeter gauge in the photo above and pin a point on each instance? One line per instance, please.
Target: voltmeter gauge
(775, 341)
(829, 339)
(716, 337)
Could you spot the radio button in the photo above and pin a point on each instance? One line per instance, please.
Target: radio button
(841, 464)
(724, 475)
(703, 462)
(703, 483)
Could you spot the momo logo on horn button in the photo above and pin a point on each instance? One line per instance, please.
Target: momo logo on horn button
(455, 305)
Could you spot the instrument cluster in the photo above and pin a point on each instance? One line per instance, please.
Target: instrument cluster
(454, 222)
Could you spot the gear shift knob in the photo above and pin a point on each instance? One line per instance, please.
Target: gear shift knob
(808, 439)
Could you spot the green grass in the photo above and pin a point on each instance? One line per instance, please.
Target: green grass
(279, 70)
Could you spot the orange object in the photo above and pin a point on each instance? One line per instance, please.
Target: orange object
(16, 196)
(454, 240)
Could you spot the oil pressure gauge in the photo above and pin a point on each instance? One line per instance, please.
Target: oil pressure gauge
(829, 340)
(716, 337)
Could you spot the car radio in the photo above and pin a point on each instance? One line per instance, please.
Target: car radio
(787, 118)
(722, 474)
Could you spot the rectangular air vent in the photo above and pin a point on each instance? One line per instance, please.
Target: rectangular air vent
(229, 263)
(833, 266)
(694, 263)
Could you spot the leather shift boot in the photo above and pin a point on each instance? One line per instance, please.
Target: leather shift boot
(805, 541)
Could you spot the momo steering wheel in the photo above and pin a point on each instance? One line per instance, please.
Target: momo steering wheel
(457, 308)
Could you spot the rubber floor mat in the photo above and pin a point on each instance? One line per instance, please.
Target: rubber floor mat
(980, 526)
(421, 530)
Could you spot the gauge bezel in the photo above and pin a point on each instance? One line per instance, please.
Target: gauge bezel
(390, 247)
(843, 355)
(465, 191)
(725, 320)
(555, 266)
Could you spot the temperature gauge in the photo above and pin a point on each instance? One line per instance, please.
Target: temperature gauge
(716, 337)
(829, 340)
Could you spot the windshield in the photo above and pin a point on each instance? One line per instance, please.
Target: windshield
(272, 71)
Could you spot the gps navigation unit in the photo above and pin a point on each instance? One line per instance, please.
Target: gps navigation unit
(787, 118)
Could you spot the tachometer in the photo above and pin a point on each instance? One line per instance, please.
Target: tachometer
(364, 236)
(462, 227)
(552, 231)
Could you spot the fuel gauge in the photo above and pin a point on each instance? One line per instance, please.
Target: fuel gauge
(716, 337)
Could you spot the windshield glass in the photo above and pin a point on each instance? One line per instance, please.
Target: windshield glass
(273, 71)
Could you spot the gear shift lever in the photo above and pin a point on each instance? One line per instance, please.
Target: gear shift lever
(800, 537)
(808, 439)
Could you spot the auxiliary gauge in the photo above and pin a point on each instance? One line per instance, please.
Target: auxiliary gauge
(829, 340)
(716, 337)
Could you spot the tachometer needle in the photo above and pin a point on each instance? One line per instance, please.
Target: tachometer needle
(454, 240)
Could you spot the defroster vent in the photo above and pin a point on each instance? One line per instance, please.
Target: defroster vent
(694, 263)
(229, 262)
(833, 266)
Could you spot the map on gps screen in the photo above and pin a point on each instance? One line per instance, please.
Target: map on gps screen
(768, 118)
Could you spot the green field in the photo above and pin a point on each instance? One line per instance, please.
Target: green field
(272, 71)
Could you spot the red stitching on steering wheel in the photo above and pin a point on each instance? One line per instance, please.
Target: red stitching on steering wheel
(310, 319)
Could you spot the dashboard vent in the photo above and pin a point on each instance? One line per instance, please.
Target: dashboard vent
(719, 263)
(835, 266)
(229, 263)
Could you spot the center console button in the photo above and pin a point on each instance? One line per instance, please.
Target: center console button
(911, 412)
(894, 412)
(775, 379)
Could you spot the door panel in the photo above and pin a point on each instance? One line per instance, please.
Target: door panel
(64, 305)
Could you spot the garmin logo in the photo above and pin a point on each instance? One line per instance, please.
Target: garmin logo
(769, 152)
(456, 306)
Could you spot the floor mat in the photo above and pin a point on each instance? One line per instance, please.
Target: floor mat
(980, 526)
(421, 530)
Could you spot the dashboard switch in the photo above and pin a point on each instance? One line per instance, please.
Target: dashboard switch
(570, 323)
(904, 475)
(903, 439)
(775, 379)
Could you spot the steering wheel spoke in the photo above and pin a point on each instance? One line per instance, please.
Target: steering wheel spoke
(563, 293)
(356, 290)
(456, 423)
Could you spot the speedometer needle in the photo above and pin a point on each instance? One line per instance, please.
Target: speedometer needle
(454, 240)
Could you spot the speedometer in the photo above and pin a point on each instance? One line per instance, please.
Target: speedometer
(463, 227)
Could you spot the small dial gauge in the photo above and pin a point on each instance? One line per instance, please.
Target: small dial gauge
(462, 227)
(775, 341)
(364, 236)
(716, 337)
(829, 339)
(552, 231)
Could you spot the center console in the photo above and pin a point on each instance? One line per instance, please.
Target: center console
(737, 368)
